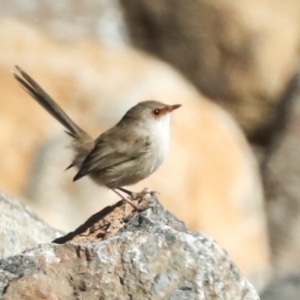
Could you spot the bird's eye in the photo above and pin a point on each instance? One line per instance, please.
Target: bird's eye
(156, 112)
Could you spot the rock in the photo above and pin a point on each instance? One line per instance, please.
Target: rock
(223, 47)
(213, 182)
(287, 288)
(281, 173)
(118, 254)
(70, 20)
(20, 227)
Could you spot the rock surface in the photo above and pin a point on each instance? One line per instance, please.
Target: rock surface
(120, 254)
(286, 288)
(20, 227)
(281, 172)
(72, 20)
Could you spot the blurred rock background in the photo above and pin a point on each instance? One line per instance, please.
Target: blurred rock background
(233, 170)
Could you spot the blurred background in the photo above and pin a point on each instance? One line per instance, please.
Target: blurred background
(233, 169)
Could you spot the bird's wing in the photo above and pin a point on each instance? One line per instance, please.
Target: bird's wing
(111, 150)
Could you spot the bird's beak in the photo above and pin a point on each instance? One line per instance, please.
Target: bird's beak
(173, 107)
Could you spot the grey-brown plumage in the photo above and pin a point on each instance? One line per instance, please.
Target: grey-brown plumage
(123, 155)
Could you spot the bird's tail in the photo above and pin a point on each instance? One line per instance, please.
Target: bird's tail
(82, 143)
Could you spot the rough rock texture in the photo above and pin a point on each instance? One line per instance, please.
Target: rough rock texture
(20, 227)
(281, 172)
(240, 54)
(118, 254)
(213, 179)
(287, 288)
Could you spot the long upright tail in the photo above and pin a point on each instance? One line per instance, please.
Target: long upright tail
(83, 143)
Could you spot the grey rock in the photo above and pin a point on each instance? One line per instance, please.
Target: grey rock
(281, 172)
(287, 288)
(20, 227)
(120, 254)
(72, 20)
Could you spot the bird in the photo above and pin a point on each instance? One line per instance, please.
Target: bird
(123, 155)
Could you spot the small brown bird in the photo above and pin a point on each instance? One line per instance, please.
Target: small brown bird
(123, 155)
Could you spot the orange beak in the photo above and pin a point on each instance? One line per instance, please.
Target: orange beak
(169, 108)
(173, 107)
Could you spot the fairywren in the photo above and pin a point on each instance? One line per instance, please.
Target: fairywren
(123, 155)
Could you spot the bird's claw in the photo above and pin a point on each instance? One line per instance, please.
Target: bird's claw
(144, 199)
(142, 195)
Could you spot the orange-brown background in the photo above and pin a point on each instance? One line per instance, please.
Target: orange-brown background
(232, 169)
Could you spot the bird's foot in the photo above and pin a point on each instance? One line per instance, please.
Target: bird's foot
(144, 196)
(143, 204)
(137, 207)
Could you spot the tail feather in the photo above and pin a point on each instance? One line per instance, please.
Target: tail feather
(82, 142)
(37, 93)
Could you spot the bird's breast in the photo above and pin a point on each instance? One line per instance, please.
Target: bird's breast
(159, 139)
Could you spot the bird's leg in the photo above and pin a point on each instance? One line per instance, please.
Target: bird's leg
(136, 207)
(143, 194)
(138, 195)
(144, 197)
(130, 193)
